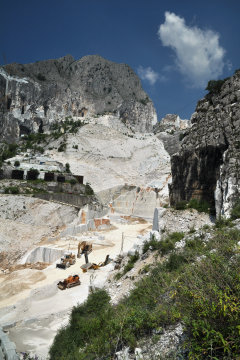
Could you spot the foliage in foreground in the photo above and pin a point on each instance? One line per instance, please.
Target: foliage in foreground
(199, 286)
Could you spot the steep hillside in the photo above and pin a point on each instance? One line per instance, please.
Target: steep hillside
(207, 165)
(33, 96)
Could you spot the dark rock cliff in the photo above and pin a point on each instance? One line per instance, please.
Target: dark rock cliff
(33, 96)
(208, 163)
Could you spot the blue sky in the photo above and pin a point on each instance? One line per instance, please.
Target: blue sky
(175, 46)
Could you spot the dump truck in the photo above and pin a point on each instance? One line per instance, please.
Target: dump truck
(66, 261)
(71, 281)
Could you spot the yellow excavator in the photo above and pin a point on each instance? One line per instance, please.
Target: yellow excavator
(84, 248)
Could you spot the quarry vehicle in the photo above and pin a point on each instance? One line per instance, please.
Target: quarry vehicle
(66, 261)
(93, 266)
(71, 281)
(85, 249)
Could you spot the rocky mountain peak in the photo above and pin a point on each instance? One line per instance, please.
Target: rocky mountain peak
(33, 96)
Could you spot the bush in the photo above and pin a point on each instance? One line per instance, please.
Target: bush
(62, 147)
(168, 244)
(73, 181)
(67, 167)
(152, 244)
(235, 213)
(175, 261)
(222, 222)
(181, 205)
(199, 205)
(88, 189)
(208, 297)
(11, 190)
(214, 86)
(16, 163)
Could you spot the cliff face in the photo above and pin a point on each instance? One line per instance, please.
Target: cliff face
(208, 163)
(33, 96)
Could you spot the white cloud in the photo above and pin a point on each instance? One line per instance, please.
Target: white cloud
(198, 54)
(148, 74)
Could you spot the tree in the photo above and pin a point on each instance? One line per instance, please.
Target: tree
(67, 167)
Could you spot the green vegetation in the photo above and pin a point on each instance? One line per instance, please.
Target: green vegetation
(214, 86)
(235, 213)
(199, 205)
(152, 244)
(129, 266)
(181, 205)
(11, 190)
(144, 101)
(17, 163)
(204, 295)
(62, 147)
(88, 189)
(68, 126)
(7, 151)
(67, 167)
(72, 181)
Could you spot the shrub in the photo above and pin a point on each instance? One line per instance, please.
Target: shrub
(208, 297)
(214, 86)
(152, 244)
(168, 244)
(181, 205)
(144, 101)
(235, 213)
(62, 147)
(222, 222)
(88, 189)
(73, 181)
(11, 190)
(16, 163)
(67, 167)
(199, 205)
(130, 265)
(175, 261)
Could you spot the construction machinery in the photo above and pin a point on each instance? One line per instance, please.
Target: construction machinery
(93, 266)
(71, 281)
(84, 248)
(67, 260)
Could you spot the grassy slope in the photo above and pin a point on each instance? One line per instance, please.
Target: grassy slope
(197, 285)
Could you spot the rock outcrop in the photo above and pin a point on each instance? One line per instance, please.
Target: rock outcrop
(170, 130)
(207, 165)
(33, 96)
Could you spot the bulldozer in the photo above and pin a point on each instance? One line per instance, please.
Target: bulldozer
(71, 281)
(66, 261)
